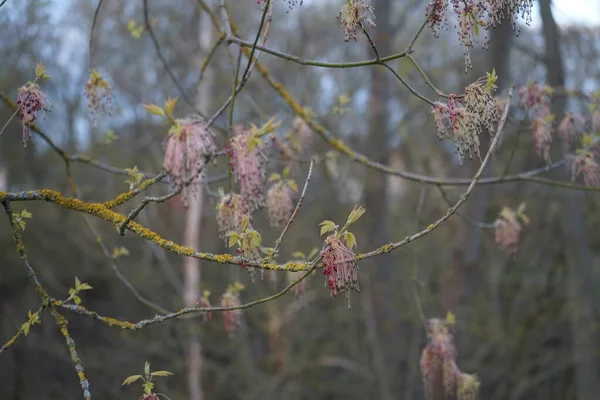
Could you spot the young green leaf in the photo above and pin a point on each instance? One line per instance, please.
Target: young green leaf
(131, 379)
(170, 106)
(147, 369)
(274, 177)
(299, 255)
(450, 318)
(292, 184)
(286, 172)
(148, 386)
(327, 226)
(355, 214)
(154, 109)
(161, 373)
(245, 222)
(25, 328)
(350, 239)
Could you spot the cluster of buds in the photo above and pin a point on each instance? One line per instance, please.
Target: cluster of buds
(231, 299)
(352, 14)
(247, 240)
(441, 376)
(464, 123)
(188, 146)
(247, 162)
(585, 164)
(30, 100)
(99, 94)
(509, 228)
(230, 211)
(280, 199)
(437, 11)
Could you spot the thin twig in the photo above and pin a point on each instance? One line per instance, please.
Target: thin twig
(470, 221)
(463, 197)
(293, 216)
(91, 45)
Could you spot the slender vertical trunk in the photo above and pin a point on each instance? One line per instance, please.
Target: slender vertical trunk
(580, 282)
(191, 294)
(375, 197)
(467, 243)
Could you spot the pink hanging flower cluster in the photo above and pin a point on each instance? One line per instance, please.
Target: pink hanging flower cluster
(441, 376)
(585, 164)
(230, 211)
(464, 124)
(340, 266)
(280, 203)
(30, 100)
(188, 147)
(231, 319)
(536, 99)
(248, 164)
(570, 127)
(541, 135)
(596, 121)
(99, 94)
(508, 231)
(476, 15)
(302, 137)
(352, 14)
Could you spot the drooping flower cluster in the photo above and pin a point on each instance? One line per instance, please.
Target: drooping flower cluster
(474, 16)
(464, 123)
(99, 94)
(232, 318)
(248, 165)
(230, 211)
(596, 121)
(280, 199)
(541, 135)
(535, 98)
(302, 137)
(352, 14)
(441, 376)
(340, 266)
(30, 100)
(570, 127)
(508, 230)
(585, 164)
(188, 147)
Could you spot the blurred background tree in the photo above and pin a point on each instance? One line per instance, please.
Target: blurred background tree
(526, 325)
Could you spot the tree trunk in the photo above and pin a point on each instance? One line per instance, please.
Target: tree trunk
(580, 286)
(191, 295)
(375, 197)
(467, 243)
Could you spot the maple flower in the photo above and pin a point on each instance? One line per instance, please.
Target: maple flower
(470, 20)
(230, 211)
(455, 122)
(596, 122)
(248, 164)
(441, 376)
(571, 126)
(280, 204)
(498, 10)
(149, 396)
(303, 135)
(481, 104)
(541, 134)
(536, 98)
(585, 164)
(340, 266)
(437, 11)
(99, 94)
(508, 231)
(354, 12)
(188, 146)
(231, 319)
(30, 100)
